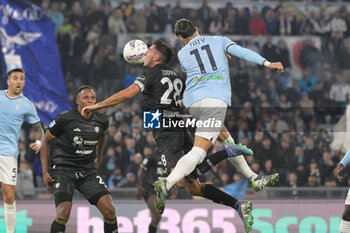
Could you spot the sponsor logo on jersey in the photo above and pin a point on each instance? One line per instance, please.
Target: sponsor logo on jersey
(78, 141)
(84, 152)
(151, 119)
(97, 129)
(207, 78)
(90, 143)
(77, 130)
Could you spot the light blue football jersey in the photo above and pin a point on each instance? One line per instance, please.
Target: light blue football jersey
(205, 62)
(13, 111)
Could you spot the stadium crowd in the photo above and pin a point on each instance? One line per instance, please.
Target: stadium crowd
(286, 119)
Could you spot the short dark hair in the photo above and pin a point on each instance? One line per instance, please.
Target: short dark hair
(184, 28)
(81, 88)
(165, 50)
(15, 70)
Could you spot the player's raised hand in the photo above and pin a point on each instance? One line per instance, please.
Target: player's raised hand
(337, 171)
(47, 181)
(35, 147)
(276, 66)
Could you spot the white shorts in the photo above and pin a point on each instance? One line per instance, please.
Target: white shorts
(8, 170)
(347, 200)
(211, 112)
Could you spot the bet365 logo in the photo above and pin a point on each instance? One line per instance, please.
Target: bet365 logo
(22, 221)
(151, 119)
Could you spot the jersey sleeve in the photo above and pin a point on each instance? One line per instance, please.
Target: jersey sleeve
(243, 53)
(147, 163)
(142, 81)
(105, 124)
(32, 115)
(57, 125)
(226, 42)
(346, 158)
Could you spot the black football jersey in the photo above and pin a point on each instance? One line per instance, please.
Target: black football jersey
(76, 139)
(161, 88)
(154, 169)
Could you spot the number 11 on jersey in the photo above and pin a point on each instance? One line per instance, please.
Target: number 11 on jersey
(195, 52)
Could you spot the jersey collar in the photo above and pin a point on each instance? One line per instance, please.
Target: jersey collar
(12, 98)
(80, 116)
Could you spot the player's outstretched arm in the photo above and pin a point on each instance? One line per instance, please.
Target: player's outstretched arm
(44, 154)
(251, 56)
(115, 99)
(36, 127)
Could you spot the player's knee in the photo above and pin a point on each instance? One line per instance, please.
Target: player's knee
(194, 189)
(109, 212)
(183, 183)
(63, 211)
(9, 198)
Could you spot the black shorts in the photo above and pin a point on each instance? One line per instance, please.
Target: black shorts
(171, 145)
(88, 183)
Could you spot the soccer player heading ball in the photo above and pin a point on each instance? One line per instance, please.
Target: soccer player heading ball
(207, 95)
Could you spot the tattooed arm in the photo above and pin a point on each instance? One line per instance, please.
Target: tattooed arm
(36, 127)
(115, 99)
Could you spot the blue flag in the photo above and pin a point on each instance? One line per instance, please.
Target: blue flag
(28, 41)
(237, 189)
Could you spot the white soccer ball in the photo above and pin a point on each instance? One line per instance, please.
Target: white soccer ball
(134, 52)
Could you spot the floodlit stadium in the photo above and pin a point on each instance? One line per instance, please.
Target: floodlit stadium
(295, 121)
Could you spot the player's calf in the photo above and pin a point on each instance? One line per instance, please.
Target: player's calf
(215, 194)
(194, 188)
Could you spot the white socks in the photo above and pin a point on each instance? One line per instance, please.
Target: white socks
(185, 165)
(10, 217)
(344, 226)
(240, 163)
